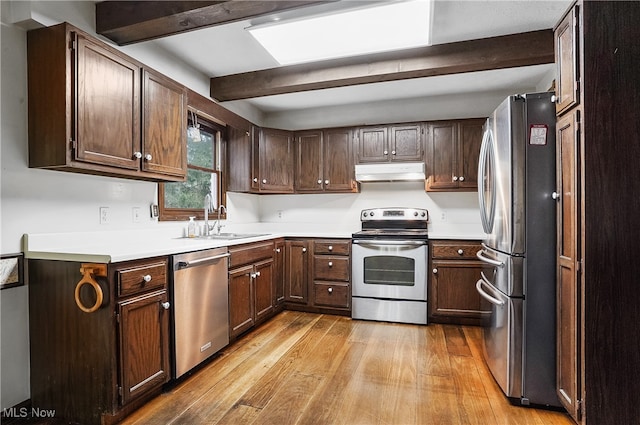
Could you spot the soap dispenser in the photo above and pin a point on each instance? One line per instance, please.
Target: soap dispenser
(191, 228)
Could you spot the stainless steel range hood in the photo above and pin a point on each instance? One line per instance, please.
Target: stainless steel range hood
(391, 171)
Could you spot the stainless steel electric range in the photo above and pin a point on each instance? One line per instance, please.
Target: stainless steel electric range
(389, 266)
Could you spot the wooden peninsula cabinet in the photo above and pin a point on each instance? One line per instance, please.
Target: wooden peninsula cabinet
(94, 110)
(100, 342)
(452, 287)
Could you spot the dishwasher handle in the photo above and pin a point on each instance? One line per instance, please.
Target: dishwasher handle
(191, 263)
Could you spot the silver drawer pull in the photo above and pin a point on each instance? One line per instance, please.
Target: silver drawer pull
(166, 305)
(330, 263)
(460, 252)
(146, 278)
(330, 290)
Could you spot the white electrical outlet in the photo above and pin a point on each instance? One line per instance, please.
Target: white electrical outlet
(104, 215)
(136, 214)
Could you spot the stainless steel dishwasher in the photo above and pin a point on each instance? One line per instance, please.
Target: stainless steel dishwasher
(200, 307)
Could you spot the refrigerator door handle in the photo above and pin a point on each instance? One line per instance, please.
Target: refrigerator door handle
(486, 296)
(484, 259)
(486, 217)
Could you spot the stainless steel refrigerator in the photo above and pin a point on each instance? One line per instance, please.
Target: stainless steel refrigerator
(516, 183)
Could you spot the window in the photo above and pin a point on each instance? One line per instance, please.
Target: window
(181, 200)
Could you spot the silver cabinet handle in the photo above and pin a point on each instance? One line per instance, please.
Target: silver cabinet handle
(137, 155)
(148, 157)
(461, 178)
(278, 250)
(330, 247)
(460, 252)
(330, 263)
(330, 290)
(166, 305)
(319, 181)
(264, 181)
(435, 271)
(393, 152)
(455, 178)
(555, 196)
(146, 278)
(326, 182)
(255, 180)
(386, 152)
(555, 99)
(304, 249)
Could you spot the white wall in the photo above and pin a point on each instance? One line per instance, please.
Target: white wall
(42, 201)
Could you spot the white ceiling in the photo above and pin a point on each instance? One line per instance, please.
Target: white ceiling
(229, 49)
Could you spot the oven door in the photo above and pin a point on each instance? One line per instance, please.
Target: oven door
(389, 269)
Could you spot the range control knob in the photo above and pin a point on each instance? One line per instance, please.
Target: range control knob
(371, 214)
(415, 213)
(423, 213)
(365, 214)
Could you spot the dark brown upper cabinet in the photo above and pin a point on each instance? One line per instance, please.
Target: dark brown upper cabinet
(94, 110)
(274, 172)
(400, 142)
(567, 80)
(453, 150)
(324, 161)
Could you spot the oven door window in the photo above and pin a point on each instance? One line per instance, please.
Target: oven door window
(389, 270)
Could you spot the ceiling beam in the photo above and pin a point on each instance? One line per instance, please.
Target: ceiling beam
(127, 22)
(509, 51)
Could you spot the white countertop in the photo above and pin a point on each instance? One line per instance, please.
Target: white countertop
(123, 245)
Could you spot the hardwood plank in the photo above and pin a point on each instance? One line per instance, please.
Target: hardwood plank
(126, 22)
(508, 51)
(315, 369)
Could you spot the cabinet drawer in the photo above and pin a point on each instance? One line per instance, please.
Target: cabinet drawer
(250, 253)
(333, 247)
(329, 267)
(331, 294)
(141, 277)
(455, 250)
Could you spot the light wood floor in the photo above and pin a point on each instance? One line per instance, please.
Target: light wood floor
(302, 368)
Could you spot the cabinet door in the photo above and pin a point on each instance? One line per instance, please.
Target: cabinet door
(469, 141)
(297, 265)
(338, 161)
(239, 169)
(164, 145)
(107, 109)
(276, 161)
(566, 39)
(309, 162)
(569, 312)
(241, 315)
(406, 142)
(372, 144)
(278, 272)
(453, 295)
(441, 157)
(144, 344)
(263, 289)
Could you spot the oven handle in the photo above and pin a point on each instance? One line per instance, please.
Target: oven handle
(379, 242)
(486, 296)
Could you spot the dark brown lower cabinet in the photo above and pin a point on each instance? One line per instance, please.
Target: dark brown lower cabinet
(452, 286)
(251, 290)
(97, 365)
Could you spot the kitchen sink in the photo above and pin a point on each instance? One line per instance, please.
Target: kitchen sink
(227, 236)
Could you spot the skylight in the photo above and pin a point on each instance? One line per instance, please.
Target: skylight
(389, 26)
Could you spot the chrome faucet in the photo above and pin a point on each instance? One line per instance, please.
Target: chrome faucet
(208, 207)
(217, 224)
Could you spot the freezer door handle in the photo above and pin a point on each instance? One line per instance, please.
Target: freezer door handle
(484, 259)
(486, 296)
